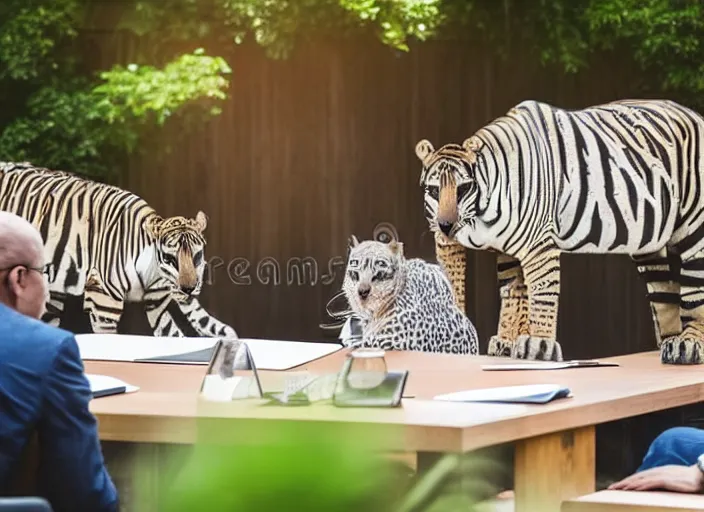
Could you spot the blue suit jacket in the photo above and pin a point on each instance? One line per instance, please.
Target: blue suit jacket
(43, 390)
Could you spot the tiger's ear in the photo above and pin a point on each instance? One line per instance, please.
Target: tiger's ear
(396, 248)
(353, 242)
(473, 144)
(153, 226)
(201, 221)
(423, 150)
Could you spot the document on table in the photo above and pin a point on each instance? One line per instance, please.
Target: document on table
(267, 354)
(548, 365)
(104, 385)
(527, 394)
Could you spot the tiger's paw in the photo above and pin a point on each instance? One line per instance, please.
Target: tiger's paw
(499, 347)
(680, 350)
(538, 349)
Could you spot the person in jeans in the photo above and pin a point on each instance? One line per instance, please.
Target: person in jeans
(674, 462)
(43, 389)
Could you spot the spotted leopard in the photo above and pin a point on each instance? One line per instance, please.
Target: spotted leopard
(404, 304)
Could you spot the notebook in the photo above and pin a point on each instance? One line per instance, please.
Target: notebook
(527, 394)
(104, 385)
(548, 365)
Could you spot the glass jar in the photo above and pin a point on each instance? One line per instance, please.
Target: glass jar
(365, 368)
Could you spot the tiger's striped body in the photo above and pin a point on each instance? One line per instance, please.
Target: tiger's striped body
(110, 246)
(619, 178)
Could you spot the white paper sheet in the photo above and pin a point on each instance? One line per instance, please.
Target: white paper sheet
(267, 354)
(125, 347)
(519, 394)
(103, 382)
(283, 355)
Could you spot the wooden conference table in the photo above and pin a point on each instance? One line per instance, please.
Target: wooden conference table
(554, 443)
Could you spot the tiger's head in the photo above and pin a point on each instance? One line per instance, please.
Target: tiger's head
(373, 276)
(180, 244)
(453, 185)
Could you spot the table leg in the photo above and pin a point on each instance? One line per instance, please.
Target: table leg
(554, 467)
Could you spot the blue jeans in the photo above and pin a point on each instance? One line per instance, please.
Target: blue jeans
(679, 446)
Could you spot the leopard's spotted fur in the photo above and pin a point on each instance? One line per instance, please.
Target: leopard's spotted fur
(404, 304)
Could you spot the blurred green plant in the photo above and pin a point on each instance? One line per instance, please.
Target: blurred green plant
(318, 468)
(309, 468)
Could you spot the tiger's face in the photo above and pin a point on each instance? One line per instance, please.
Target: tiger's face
(449, 177)
(180, 246)
(372, 275)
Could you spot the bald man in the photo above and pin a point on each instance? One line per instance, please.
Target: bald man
(43, 389)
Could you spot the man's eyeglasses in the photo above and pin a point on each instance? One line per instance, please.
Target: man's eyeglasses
(49, 270)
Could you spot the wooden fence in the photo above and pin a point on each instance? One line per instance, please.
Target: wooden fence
(320, 146)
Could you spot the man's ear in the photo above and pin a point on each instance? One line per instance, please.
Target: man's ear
(17, 280)
(201, 221)
(153, 226)
(423, 150)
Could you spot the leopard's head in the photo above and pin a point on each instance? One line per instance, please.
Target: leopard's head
(373, 275)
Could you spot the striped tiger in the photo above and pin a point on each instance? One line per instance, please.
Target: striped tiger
(109, 246)
(625, 177)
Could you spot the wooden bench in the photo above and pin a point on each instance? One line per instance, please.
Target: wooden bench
(634, 501)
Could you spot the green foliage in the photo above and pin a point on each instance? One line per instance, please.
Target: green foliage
(90, 126)
(667, 37)
(56, 112)
(29, 33)
(277, 25)
(398, 20)
(664, 37)
(64, 128)
(145, 92)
